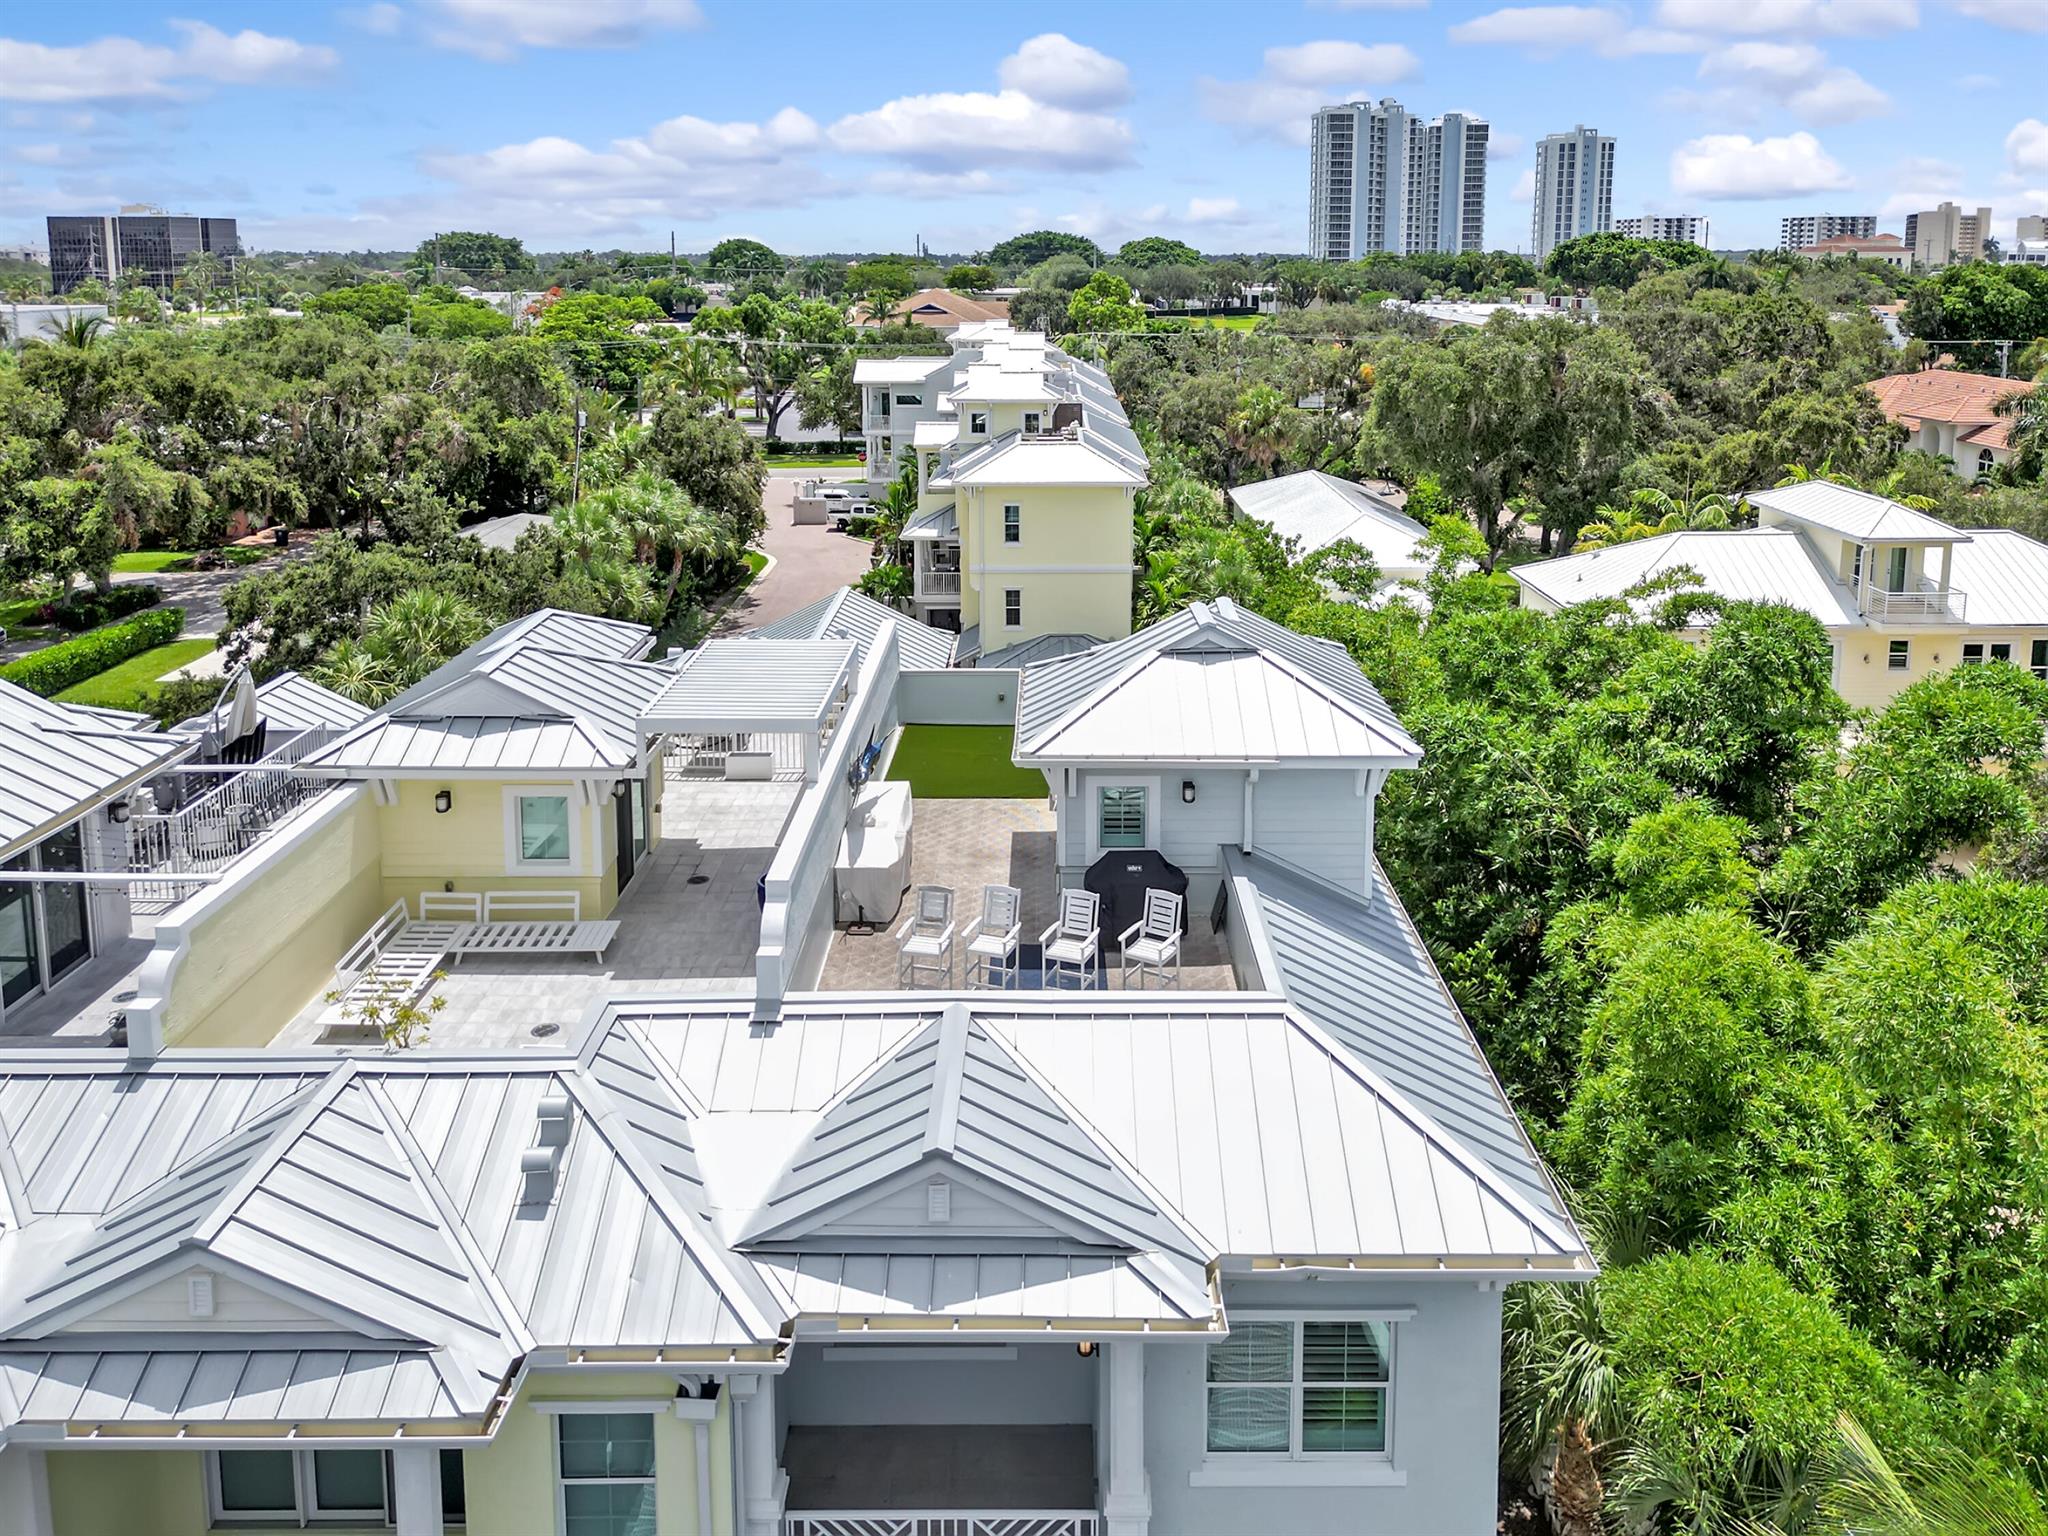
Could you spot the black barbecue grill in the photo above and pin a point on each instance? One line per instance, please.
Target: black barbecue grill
(1121, 877)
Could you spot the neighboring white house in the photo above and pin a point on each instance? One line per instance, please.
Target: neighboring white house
(1952, 415)
(1901, 595)
(1316, 510)
(735, 1258)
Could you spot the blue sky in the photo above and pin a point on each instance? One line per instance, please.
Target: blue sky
(854, 125)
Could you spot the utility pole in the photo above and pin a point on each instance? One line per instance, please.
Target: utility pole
(576, 459)
(671, 255)
(2004, 357)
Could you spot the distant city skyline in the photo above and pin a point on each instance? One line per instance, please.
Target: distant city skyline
(370, 124)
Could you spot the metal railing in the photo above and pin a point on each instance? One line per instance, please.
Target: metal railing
(1924, 603)
(218, 826)
(712, 757)
(938, 583)
(963, 1522)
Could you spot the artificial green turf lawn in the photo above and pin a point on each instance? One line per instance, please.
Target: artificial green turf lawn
(1227, 322)
(151, 561)
(840, 461)
(963, 762)
(131, 684)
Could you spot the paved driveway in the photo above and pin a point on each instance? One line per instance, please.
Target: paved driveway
(810, 560)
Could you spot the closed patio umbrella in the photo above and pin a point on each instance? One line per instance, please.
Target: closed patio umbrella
(238, 715)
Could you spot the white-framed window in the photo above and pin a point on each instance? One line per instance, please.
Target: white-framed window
(2001, 650)
(1032, 420)
(1899, 656)
(1895, 569)
(1301, 1390)
(977, 423)
(1973, 653)
(312, 1488)
(1013, 608)
(1984, 461)
(902, 399)
(2039, 659)
(1120, 811)
(543, 834)
(1013, 523)
(604, 1464)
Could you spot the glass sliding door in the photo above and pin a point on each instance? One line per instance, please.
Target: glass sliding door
(20, 969)
(66, 936)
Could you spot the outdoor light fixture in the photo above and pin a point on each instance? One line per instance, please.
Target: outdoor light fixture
(622, 788)
(1085, 1348)
(1187, 791)
(444, 802)
(118, 812)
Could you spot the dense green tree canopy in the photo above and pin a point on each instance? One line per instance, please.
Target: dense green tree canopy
(1157, 251)
(737, 259)
(1609, 260)
(1028, 250)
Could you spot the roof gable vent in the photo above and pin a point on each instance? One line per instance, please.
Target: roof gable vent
(938, 1201)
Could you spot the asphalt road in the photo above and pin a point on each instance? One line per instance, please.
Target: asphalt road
(810, 560)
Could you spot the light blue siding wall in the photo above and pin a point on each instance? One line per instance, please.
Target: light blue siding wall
(1044, 1384)
(1188, 835)
(1445, 1424)
(1315, 820)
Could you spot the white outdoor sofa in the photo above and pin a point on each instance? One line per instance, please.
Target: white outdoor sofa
(398, 957)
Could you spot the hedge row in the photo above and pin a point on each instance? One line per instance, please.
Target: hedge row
(57, 667)
(89, 609)
(823, 448)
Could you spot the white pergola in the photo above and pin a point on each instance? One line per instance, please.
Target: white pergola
(790, 688)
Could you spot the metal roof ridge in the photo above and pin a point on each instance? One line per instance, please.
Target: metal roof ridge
(1155, 640)
(942, 1114)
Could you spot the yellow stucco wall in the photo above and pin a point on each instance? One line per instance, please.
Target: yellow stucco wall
(1866, 679)
(1072, 565)
(510, 1483)
(469, 844)
(266, 947)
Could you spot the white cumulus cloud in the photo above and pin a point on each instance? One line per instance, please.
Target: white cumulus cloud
(1053, 68)
(967, 128)
(1757, 77)
(2020, 15)
(2026, 148)
(1833, 18)
(1734, 167)
(126, 68)
(1297, 79)
(1548, 30)
(498, 29)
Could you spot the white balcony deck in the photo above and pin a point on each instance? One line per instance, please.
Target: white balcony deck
(1924, 604)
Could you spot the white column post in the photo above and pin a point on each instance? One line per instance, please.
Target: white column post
(416, 1490)
(25, 1491)
(761, 1497)
(1127, 1501)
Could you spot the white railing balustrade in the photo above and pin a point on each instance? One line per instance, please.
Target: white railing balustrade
(1926, 603)
(735, 754)
(963, 1522)
(225, 821)
(938, 583)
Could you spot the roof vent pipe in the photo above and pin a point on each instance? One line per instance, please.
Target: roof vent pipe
(537, 1174)
(552, 1112)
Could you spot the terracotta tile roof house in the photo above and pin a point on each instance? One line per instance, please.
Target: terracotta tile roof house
(944, 310)
(1950, 414)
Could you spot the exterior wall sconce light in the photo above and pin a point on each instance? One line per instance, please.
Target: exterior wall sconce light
(1187, 791)
(1085, 1349)
(444, 802)
(118, 812)
(622, 788)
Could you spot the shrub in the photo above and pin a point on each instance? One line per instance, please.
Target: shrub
(180, 698)
(57, 667)
(89, 610)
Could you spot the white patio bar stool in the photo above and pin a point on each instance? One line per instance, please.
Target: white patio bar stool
(1151, 946)
(992, 941)
(1071, 946)
(924, 944)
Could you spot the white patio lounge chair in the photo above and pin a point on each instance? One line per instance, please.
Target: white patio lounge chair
(397, 958)
(924, 944)
(1071, 947)
(992, 941)
(1151, 946)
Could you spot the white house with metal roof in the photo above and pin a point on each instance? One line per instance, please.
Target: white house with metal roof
(744, 1257)
(1316, 510)
(1901, 594)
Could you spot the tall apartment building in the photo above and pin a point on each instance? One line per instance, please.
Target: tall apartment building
(2032, 226)
(1381, 179)
(140, 242)
(1797, 233)
(1574, 188)
(1664, 226)
(1941, 236)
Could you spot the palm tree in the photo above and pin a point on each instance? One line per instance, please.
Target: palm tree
(1258, 428)
(2027, 411)
(420, 629)
(1933, 1492)
(79, 332)
(1676, 515)
(356, 672)
(1892, 485)
(200, 275)
(879, 307)
(694, 370)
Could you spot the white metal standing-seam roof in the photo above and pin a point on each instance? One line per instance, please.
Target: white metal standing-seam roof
(291, 702)
(851, 615)
(556, 629)
(941, 522)
(1859, 515)
(1209, 683)
(1754, 565)
(1056, 1286)
(1359, 969)
(1316, 510)
(474, 744)
(754, 685)
(1077, 457)
(899, 370)
(57, 763)
(2005, 575)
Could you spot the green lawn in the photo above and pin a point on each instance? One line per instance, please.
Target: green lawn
(963, 762)
(756, 563)
(131, 684)
(840, 461)
(149, 562)
(1227, 322)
